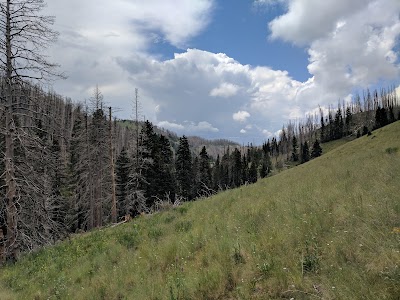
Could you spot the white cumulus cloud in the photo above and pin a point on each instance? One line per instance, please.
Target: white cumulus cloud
(225, 90)
(241, 116)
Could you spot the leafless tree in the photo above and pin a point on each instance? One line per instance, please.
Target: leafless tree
(25, 33)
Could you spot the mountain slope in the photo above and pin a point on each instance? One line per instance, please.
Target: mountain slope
(325, 229)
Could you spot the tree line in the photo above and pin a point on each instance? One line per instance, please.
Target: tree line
(69, 167)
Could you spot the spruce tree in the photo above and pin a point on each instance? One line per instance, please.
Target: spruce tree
(165, 171)
(216, 175)
(349, 120)
(265, 166)
(295, 154)
(305, 153)
(204, 169)
(253, 173)
(316, 149)
(183, 167)
(237, 168)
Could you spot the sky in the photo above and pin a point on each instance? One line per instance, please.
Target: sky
(232, 69)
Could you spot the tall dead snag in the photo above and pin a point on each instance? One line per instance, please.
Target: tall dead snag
(113, 194)
(24, 34)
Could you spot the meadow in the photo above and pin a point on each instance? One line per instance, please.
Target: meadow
(326, 229)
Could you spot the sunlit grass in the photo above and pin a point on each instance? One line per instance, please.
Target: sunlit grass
(323, 229)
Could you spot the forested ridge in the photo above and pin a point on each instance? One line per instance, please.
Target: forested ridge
(69, 167)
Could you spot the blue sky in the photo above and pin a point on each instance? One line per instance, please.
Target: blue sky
(225, 69)
(240, 29)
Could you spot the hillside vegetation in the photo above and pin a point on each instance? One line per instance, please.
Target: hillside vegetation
(327, 229)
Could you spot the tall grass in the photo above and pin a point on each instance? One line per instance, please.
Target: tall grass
(323, 230)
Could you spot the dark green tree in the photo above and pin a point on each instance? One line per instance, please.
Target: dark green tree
(205, 169)
(295, 147)
(245, 168)
(253, 173)
(237, 168)
(217, 175)
(349, 120)
(166, 170)
(266, 166)
(183, 165)
(305, 153)
(316, 149)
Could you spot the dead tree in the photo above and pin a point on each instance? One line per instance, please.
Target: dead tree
(24, 34)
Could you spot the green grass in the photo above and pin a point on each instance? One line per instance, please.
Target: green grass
(327, 229)
(329, 146)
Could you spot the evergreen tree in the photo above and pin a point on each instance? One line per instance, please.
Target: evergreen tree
(331, 127)
(237, 168)
(391, 115)
(253, 174)
(316, 149)
(217, 175)
(305, 153)
(365, 130)
(323, 129)
(196, 191)
(245, 168)
(349, 120)
(338, 125)
(184, 169)
(204, 169)
(99, 160)
(295, 155)
(166, 171)
(149, 151)
(265, 166)
(381, 117)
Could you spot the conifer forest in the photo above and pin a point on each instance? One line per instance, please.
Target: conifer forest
(68, 167)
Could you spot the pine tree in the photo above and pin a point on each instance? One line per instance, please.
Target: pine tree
(245, 168)
(323, 128)
(338, 125)
(349, 120)
(253, 173)
(205, 171)
(151, 153)
(184, 169)
(217, 175)
(164, 171)
(305, 156)
(295, 155)
(316, 149)
(237, 168)
(100, 163)
(265, 166)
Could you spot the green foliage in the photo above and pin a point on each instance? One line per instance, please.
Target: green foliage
(305, 153)
(183, 226)
(391, 150)
(237, 255)
(331, 223)
(310, 258)
(316, 149)
(183, 165)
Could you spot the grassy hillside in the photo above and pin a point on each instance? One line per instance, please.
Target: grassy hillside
(327, 229)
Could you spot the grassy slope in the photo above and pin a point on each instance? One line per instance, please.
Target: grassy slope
(337, 214)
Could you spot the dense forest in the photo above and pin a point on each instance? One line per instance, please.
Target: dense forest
(69, 167)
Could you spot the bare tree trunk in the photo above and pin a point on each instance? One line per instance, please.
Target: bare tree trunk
(113, 195)
(11, 247)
